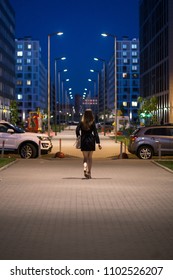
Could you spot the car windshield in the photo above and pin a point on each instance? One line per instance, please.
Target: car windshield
(135, 131)
(17, 129)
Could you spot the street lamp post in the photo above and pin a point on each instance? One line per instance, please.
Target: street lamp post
(98, 86)
(48, 84)
(115, 78)
(56, 59)
(104, 89)
(94, 81)
(94, 96)
(63, 95)
(69, 97)
(59, 96)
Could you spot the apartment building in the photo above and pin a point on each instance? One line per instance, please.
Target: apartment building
(7, 58)
(127, 79)
(31, 78)
(156, 45)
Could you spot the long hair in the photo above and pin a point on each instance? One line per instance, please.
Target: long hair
(87, 119)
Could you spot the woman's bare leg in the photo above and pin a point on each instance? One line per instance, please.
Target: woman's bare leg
(85, 163)
(89, 162)
(87, 158)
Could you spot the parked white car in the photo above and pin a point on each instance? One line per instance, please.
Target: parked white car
(26, 144)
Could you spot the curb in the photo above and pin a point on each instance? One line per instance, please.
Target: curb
(164, 167)
(7, 165)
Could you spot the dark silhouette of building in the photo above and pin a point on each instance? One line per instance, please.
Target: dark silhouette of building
(156, 54)
(7, 58)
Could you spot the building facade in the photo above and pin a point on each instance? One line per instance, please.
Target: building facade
(7, 58)
(31, 78)
(127, 79)
(156, 45)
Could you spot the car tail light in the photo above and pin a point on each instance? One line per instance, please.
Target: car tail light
(133, 138)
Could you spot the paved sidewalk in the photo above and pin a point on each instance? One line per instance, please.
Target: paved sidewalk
(48, 210)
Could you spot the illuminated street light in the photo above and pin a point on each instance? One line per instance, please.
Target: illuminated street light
(104, 34)
(115, 77)
(49, 86)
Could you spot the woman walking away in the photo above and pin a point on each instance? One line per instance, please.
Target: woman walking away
(89, 137)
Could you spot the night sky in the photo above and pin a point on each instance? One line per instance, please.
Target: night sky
(82, 22)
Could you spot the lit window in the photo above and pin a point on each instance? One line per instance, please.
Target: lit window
(19, 68)
(124, 75)
(20, 46)
(134, 104)
(124, 103)
(28, 60)
(19, 53)
(19, 82)
(134, 60)
(29, 46)
(134, 53)
(134, 46)
(29, 53)
(124, 53)
(19, 96)
(134, 68)
(19, 60)
(125, 60)
(28, 82)
(124, 46)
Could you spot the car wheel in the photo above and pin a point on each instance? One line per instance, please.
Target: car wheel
(28, 151)
(145, 152)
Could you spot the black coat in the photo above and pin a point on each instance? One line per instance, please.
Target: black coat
(88, 137)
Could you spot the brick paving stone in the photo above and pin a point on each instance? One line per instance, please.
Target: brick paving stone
(48, 210)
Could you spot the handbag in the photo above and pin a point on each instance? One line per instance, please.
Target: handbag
(78, 142)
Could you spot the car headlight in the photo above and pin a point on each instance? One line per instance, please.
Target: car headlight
(43, 138)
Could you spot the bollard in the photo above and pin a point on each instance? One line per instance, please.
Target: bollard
(60, 144)
(39, 149)
(2, 152)
(125, 146)
(121, 148)
(160, 150)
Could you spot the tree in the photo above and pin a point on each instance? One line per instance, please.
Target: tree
(148, 109)
(14, 118)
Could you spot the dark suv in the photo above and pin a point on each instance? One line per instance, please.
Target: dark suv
(145, 142)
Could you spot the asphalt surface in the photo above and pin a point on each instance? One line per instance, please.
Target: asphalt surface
(48, 209)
